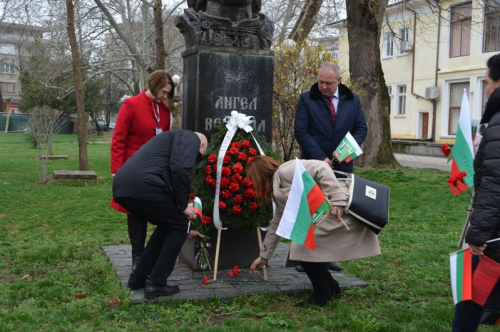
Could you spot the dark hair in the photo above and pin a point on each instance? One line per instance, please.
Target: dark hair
(494, 67)
(260, 172)
(157, 80)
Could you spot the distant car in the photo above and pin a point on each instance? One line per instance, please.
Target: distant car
(112, 125)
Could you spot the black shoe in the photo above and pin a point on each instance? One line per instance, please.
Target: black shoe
(136, 282)
(491, 317)
(333, 266)
(299, 268)
(319, 299)
(336, 290)
(153, 290)
(135, 259)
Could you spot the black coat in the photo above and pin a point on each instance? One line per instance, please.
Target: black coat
(160, 168)
(485, 219)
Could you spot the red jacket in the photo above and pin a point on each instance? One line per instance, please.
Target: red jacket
(135, 126)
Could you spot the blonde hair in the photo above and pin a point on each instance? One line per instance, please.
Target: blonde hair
(261, 171)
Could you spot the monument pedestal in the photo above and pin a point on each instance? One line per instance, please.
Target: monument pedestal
(218, 80)
(237, 248)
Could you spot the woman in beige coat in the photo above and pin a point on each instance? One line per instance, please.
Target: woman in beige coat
(334, 242)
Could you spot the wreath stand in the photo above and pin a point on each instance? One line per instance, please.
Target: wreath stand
(219, 232)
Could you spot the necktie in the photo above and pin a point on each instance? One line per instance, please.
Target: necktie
(332, 108)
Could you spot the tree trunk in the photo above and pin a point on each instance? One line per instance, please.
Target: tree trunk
(80, 103)
(364, 20)
(161, 54)
(306, 21)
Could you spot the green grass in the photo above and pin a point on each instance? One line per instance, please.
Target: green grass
(54, 232)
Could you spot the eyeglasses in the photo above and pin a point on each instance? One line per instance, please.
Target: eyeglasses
(164, 92)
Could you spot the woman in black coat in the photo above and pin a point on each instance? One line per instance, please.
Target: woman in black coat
(485, 218)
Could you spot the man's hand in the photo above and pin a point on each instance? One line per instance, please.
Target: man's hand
(478, 251)
(328, 161)
(195, 236)
(189, 212)
(337, 211)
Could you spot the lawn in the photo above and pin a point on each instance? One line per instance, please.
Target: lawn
(54, 277)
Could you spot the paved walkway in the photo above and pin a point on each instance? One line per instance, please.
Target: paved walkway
(191, 283)
(415, 161)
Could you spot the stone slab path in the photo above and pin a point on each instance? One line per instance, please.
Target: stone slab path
(280, 279)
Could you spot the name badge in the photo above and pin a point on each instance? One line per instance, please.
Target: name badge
(158, 130)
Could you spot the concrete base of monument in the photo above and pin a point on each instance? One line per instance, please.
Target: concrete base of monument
(280, 279)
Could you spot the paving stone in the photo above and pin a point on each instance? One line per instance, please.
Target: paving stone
(280, 279)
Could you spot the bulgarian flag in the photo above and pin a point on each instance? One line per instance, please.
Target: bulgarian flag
(461, 275)
(197, 206)
(462, 154)
(305, 209)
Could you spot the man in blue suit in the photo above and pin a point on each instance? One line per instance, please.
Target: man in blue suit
(319, 127)
(323, 117)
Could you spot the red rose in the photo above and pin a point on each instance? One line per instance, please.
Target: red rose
(245, 144)
(246, 182)
(229, 274)
(213, 184)
(460, 176)
(226, 194)
(249, 193)
(212, 158)
(236, 270)
(234, 186)
(237, 168)
(253, 206)
(208, 179)
(206, 219)
(445, 149)
(249, 160)
(206, 280)
(237, 178)
(226, 171)
(208, 170)
(222, 205)
(224, 182)
(237, 209)
(233, 150)
(252, 151)
(242, 156)
(238, 199)
(192, 195)
(227, 159)
(236, 144)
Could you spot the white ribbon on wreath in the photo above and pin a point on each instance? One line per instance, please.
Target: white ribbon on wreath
(233, 122)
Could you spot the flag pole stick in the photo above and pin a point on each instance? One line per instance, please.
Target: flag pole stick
(259, 236)
(467, 220)
(494, 240)
(216, 264)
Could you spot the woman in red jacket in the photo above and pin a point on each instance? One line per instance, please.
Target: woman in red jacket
(141, 118)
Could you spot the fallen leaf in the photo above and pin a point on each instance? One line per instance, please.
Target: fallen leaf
(114, 303)
(26, 276)
(7, 262)
(79, 243)
(81, 295)
(35, 215)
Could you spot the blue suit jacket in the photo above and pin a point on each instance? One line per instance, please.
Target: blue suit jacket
(314, 128)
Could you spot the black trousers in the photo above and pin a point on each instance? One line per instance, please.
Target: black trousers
(137, 232)
(162, 249)
(321, 279)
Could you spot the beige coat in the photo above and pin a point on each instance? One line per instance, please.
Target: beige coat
(333, 241)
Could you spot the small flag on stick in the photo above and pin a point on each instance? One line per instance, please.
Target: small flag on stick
(461, 275)
(305, 209)
(197, 206)
(348, 149)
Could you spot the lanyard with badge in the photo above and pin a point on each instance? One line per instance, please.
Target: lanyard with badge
(156, 113)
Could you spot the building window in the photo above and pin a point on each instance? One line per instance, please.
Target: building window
(461, 19)
(7, 68)
(404, 40)
(389, 90)
(8, 87)
(8, 49)
(491, 35)
(335, 54)
(388, 44)
(401, 97)
(456, 95)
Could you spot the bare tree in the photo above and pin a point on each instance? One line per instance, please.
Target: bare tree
(80, 103)
(306, 20)
(44, 122)
(364, 21)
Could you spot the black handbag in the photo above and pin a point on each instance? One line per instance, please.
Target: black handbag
(368, 202)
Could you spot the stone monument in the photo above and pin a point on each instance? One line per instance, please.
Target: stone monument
(228, 64)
